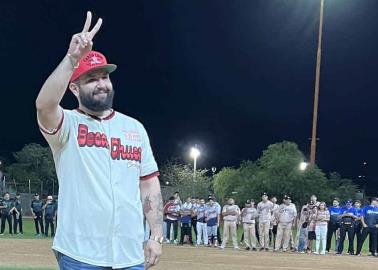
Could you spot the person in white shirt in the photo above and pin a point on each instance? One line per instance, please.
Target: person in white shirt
(248, 218)
(230, 213)
(104, 163)
(285, 216)
(264, 209)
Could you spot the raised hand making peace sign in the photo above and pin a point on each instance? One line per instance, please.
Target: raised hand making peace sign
(81, 43)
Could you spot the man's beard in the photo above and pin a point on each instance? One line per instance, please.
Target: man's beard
(89, 101)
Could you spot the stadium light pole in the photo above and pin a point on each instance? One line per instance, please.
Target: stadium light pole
(317, 81)
(194, 153)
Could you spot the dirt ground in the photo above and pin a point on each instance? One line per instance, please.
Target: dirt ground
(37, 253)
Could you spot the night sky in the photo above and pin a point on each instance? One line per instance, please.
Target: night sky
(230, 76)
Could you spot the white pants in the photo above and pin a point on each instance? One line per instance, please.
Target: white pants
(283, 236)
(249, 235)
(229, 228)
(321, 236)
(264, 234)
(202, 233)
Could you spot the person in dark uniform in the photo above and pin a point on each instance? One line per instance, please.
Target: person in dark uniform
(17, 218)
(50, 210)
(369, 222)
(6, 207)
(37, 212)
(194, 217)
(333, 225)
(347, 218)
(357, 221)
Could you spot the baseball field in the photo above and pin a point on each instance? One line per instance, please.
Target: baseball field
(27, 252)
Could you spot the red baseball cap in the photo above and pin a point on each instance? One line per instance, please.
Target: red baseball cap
(92, 60)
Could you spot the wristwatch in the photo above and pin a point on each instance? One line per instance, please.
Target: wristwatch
(158, 239)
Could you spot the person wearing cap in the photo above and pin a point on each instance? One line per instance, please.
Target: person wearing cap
(264, 209)
(17, 215)
(6, 208)
(285, 216)
(248, 217)
(369, 221)
(50, 211)
(334, 223)
(99, 154)
(212, 221)
(347, 218)
(230, 213)
(36, 208)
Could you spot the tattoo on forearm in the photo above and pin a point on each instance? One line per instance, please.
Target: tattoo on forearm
(147, 204)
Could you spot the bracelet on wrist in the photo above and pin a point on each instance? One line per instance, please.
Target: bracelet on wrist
(72, 60)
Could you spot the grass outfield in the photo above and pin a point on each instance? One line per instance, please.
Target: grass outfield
(29, 233)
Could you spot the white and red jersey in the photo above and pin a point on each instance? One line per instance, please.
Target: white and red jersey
(99, 164)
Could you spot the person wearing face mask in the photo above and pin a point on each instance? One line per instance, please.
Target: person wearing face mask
(230, 213)
(50, 210)
(334, 223)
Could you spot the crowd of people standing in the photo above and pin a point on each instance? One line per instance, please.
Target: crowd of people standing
(44, 213)
(268, 225)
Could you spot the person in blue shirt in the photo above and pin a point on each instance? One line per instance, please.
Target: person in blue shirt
(347, 218)
(186, 213)
(370, 223)
(333, 225)
(357, 221)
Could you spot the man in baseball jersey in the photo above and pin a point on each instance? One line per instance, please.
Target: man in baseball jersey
(264, 209)
(248, 217)
(369, 221)
(17, 218)
(201, 213)
(231, 213)
(347, 217)
(186, 212)
(357, 221)
(285, 216)
(105, 167)
(334, 223)
(213, 219)
(37, 212)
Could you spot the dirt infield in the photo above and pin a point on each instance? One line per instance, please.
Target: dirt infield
(37, 253)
